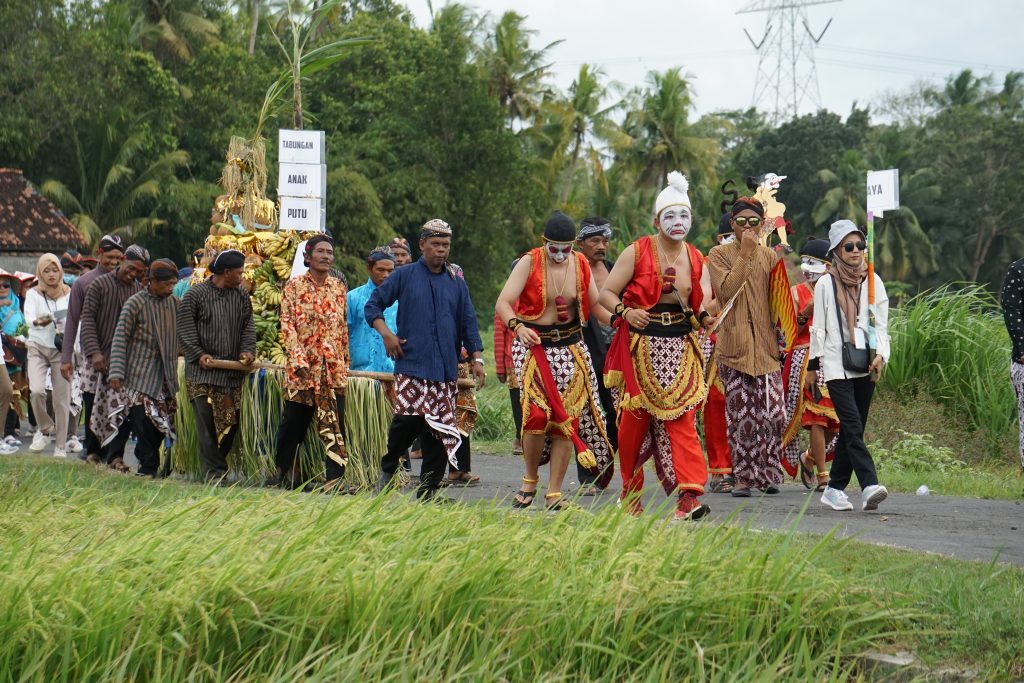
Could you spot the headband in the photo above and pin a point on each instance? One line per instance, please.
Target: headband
(747, 203)
(138, 253)
(226, 260)
(590, 230)
(163, 270)
(435, 228)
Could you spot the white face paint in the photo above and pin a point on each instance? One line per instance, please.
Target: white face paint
(728, 239)
(812, 268)
(559, 251)
(675, 222)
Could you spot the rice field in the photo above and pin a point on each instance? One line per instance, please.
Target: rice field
(103, 578)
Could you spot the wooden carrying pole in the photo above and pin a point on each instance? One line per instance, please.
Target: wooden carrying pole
(260, 365)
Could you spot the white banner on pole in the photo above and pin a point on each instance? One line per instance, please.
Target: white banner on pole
(302, 214)
(302, 180)
(883, 191)
(300, 147)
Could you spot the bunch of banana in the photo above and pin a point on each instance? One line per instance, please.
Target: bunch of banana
(273, 243)
(268, 294)
(282, 266)
(272, 351)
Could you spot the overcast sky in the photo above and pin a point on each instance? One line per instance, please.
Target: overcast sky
(871, 47)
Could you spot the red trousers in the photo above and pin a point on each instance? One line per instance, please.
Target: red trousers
(688, 471)
(716, 437)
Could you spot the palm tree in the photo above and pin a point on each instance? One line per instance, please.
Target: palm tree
(659, 136)
(845, 191)
(962, 90)
(516, 71)
(113, 187)
(581, 118)
(168, 28)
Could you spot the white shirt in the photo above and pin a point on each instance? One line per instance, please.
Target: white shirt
(37, 305)
(826, 337)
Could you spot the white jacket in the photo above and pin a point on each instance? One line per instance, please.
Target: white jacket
(826, 337)
(38, 306)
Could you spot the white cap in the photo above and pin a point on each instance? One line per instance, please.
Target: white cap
(673, 195)
(838, 232)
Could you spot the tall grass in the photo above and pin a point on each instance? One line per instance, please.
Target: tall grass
(173, 582)
(952, 343)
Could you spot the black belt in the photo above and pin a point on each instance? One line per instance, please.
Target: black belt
(667, 321)
(558, 335)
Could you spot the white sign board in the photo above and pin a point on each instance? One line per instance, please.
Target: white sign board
(302, 214)
(299, 267)
(883, 191)
(301, 147)
(302, 180)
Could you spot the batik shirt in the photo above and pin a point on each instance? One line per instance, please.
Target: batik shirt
(315, 334)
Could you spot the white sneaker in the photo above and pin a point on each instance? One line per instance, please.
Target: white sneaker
(872, 496)
(835, 499)
(59, 453)
(7, 448)
(73, 445)
(39, 442)
(13, 441)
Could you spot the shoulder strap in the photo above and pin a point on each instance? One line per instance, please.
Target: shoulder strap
(835, 304)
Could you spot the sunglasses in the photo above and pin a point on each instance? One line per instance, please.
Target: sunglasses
(850, 246)
(743, 221)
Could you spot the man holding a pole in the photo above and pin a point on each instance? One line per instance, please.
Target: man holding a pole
(215, 323)
(436, 320)
(316, 343)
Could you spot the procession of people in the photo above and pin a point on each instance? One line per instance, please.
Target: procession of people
(664, 355)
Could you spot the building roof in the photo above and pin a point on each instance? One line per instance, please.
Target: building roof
(29, 222)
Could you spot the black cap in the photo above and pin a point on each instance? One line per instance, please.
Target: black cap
(815, 247)
(560, 228)
(725, 224)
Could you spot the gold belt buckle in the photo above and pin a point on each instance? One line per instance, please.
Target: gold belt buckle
(666, 318)
(557, 336)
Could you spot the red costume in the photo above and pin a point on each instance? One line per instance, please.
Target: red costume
(657, 378)
(559, 387)
(804, 407)
(716, 436)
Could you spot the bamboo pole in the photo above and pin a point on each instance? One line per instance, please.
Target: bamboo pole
(238, 366)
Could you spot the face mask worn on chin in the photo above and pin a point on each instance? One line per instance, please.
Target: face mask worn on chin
(812, 270)
(675, 222)
(559, 251)
(728, 239)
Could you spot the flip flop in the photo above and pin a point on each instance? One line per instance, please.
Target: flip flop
(806, 473)
(465, 478)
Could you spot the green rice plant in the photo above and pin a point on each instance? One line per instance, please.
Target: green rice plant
(494, 414)
(173, 582)
(367, 420)
(260, 418)
(184, 451)
(954, 344)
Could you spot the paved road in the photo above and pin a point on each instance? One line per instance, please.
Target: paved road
(966, 528)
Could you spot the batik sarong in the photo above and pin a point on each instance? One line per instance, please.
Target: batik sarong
(328, 424)
(576, 381)
(805, 408)
(225, 403)
(755, 415)
(435, 402)
(1017, 377)
(112, 408)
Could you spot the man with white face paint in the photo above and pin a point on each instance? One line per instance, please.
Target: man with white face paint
(807, 407)
(654, 365)
(546, 300)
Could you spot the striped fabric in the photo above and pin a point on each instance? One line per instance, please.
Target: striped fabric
(783, 312)
(215, 321)
(747, 340)
(144, 352)
(75, 304)
(104, 300)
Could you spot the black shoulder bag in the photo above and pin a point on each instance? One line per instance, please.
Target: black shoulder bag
(854, 359)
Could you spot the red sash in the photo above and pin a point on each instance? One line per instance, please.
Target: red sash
(559, 416)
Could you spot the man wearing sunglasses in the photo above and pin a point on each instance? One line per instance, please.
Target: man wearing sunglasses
(748, 352)
(654, 363)
(547, 299)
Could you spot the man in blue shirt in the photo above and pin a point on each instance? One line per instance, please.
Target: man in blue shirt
(366, 347)
(436, 320)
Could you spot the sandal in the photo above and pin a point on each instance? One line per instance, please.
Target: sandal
(823, 478)
(118, 466)
(725, 484)
(556, 502)
(465, 478)
(805, 471)
(524, 499)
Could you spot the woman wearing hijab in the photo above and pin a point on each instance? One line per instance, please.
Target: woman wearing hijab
(11, 319)
(46, 307)
(851, 354)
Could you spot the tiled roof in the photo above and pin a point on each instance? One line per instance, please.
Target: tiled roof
(29, 222)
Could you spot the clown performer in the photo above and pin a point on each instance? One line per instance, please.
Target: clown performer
(654, 365)
(807, 406)
(547, 299)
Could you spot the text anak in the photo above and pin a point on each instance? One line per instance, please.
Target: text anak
(297, 180)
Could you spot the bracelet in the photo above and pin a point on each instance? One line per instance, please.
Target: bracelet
(703, 314)
(620, 308)
(479, 360)
(512, 323)
(801, 319)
